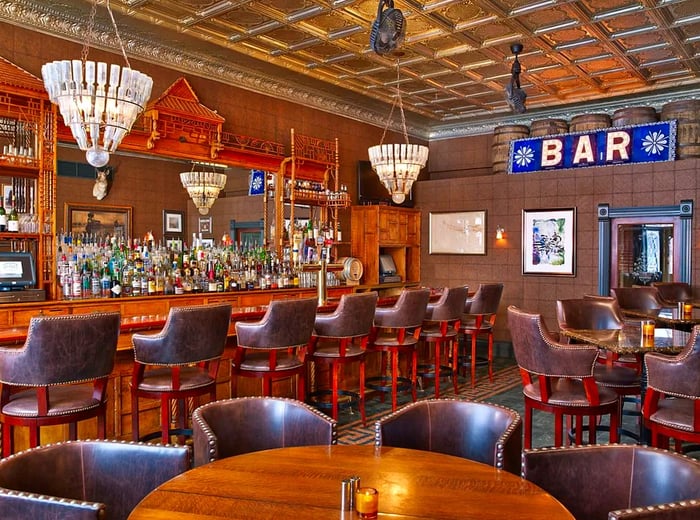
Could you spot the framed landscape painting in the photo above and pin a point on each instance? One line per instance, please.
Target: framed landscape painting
(549, 241)
(458, 233)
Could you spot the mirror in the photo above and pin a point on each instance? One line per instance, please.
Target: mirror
(643, 253)
(642, 245)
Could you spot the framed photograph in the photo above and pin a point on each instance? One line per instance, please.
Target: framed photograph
(207, 242)
(173, 244)
(98, 219)
(205, 225)
(7, 195)
(549, 241)
(458, 233)
(173, 222)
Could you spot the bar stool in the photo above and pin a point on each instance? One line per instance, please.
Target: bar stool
(178, 363)
(440, 329)
(396, 331)
(275, 346)
(59, 376)
(334, 343)
(479, 318)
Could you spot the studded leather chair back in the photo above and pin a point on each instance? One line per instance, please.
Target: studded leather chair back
(486, 299)
(407, 312)
(450, 305)
(588, 314)
(234, 426)
(637, 298)
(674, 292)
(286, 323)
(352, 318)
(483, 432)
(79, 480)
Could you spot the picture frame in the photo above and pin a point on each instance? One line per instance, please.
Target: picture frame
(549, 242)
(205, 225)
(458, 233)
(98, 219)
(207, 242)
(173, 222)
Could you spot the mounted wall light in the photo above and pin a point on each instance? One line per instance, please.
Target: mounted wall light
(499, 232)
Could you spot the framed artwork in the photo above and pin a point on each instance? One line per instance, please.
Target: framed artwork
(98, 219)
(549, 241)
(205, 225)
(207, 242)
(173, 222)
(458, 233)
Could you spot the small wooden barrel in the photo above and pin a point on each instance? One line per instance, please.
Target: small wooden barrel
(542, 127)
(502, 136)
(634, 116)
(586, 122)
(687, 113)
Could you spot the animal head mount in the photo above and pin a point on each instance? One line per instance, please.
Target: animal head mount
(515, 96)
(103, 182)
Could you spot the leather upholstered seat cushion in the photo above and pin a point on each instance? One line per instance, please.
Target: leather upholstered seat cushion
(161, 380)
(64, 400)
(260, 361)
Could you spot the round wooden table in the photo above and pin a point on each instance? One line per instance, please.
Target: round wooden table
(305, 482)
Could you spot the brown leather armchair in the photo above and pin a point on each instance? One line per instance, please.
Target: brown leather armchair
(88, 479)
(275, 346)
(672, 399)
(341, 337)
(593, 481)
(440, 328)
(234, 426)
(396, 331)
(558, 378)
(597, 314)
(483, 432)
(637, 298)
(38, 379)
(178, 363)
(478, 318)
(674, 292)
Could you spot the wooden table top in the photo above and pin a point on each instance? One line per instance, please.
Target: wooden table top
(305, 483)
(627, 340)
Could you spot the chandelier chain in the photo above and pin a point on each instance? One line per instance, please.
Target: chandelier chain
(399, 101)
(90, 33)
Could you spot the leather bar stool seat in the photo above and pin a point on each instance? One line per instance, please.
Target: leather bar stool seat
(177, 364)
(479, 318)
(335, 343)
(396, 331)
(439, 331)
(275, 346)
(59, 376)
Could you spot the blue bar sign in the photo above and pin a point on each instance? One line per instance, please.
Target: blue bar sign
(648, 142)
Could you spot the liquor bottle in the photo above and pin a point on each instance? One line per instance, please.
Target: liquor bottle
(3, 216)
(13, 220)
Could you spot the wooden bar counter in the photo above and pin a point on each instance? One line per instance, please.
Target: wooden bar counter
(148, 313)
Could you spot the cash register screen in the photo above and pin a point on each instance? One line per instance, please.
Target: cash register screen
(16, 271)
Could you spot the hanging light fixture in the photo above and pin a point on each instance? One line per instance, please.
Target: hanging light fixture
(203, 187)
(398, 165)
(99, 107)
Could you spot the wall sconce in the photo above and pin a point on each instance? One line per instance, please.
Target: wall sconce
(499, 232)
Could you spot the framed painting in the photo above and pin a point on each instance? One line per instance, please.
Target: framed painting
(205, 224)
(173, 222)
(549, 242)
(98, 219)
(458, 233)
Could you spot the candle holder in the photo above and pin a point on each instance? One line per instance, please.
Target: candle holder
(647, 333)
(367, 502)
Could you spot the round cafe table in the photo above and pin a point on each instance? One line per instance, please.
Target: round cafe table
(305, 482)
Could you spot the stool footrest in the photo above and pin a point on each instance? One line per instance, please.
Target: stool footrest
(314, 399)
(383, 384)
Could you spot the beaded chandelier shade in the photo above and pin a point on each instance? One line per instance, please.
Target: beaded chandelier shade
(203, 188)
(398, 165)
(99, 103)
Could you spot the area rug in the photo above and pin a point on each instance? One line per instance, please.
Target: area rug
(351, 430)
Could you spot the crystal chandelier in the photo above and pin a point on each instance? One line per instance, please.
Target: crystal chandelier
(98, 106)
(203, 187)
(398, 165)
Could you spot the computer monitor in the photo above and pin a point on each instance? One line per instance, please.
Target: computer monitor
(16, 271)
(387, 267)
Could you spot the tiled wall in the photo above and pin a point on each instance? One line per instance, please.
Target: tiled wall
(505, 196)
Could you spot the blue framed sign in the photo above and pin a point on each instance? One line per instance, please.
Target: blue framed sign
(649, 142)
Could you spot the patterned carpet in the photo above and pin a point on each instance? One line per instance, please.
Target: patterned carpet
(351, 431)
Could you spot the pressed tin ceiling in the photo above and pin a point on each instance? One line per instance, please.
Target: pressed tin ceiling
(454, 64)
